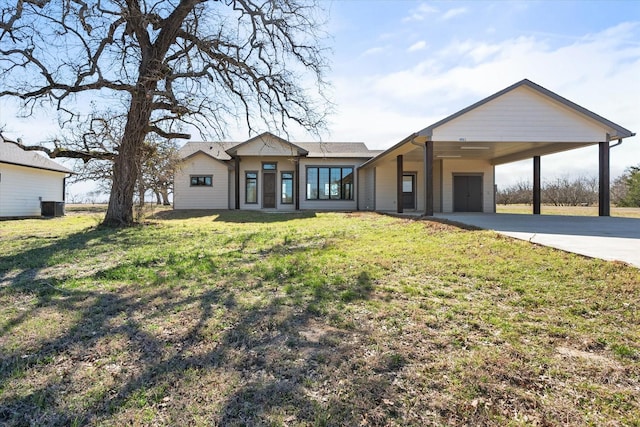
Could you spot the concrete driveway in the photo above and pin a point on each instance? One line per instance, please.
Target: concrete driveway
(608, 238)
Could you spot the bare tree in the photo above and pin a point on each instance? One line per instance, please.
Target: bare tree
(158, 165)
(102, 132)
(563, 191)
(619, 190)
(566, 191)
(518, 193)
(163, 65)
(158, 169)
(99, 132)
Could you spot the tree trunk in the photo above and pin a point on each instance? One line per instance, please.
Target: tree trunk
(158, 200)
(126, 167)
(141, 192)
(165, 197)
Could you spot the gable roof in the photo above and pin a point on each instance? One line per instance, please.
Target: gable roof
(14, 155)
(215, 150)
(225, 150)
(265, 136)
(620, 131)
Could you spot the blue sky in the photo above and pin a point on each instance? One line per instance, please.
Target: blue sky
(398, 66)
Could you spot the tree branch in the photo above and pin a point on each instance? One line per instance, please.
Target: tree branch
(58, 151)
(168, 135)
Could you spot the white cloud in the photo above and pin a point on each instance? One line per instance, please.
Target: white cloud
(373, 51)
(597, 71)
(452, 13)
(417, 46)
(479, 68)
(420, 13)
(469, 49)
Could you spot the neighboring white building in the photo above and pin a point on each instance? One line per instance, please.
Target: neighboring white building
(446, 167)
(26, 179)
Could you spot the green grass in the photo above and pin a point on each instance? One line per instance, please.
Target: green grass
(222, 318)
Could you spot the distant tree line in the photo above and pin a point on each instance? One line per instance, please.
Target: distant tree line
(579, 191)
(626, 189)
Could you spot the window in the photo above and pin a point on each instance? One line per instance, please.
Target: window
(287, 188)
(251, 187)
(323, 183)
(269, 166)
(347, 183)
(201, 180)
(330, 183)
(312, 183)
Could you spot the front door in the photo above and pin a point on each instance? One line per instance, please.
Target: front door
(269, 190)
(467, 193)
(409, 191)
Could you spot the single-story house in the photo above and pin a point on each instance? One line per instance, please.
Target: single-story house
(26, 180)
(268, 172)
(446, 167)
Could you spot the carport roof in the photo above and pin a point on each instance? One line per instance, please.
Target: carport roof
(620, 131)
(500, 149)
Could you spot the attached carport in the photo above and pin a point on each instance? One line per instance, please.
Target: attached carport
(450, 165)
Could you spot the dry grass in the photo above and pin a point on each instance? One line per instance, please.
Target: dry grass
(569, 210)
(223, 318)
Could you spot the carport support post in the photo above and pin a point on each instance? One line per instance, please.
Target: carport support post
(399, 174)
(604, 197)
(536, 185)
(428, 178)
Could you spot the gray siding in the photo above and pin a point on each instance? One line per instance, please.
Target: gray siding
(214, 197)
(386, 186)
(366, 189)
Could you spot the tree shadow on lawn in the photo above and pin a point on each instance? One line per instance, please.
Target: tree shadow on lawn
(234, 216)
(22, 273)
(173, 354)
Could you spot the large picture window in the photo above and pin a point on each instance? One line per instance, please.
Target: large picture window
(251, 187)
(330, 183)
(201, 180)
(287, 188)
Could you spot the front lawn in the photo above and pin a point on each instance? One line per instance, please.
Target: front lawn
(234, 319)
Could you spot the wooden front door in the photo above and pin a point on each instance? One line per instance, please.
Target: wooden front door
(409, 191)
(268, 190)
(467, 193)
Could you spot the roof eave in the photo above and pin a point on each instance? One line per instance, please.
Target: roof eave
(61, 170)
(385, 152)
(205, 153)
